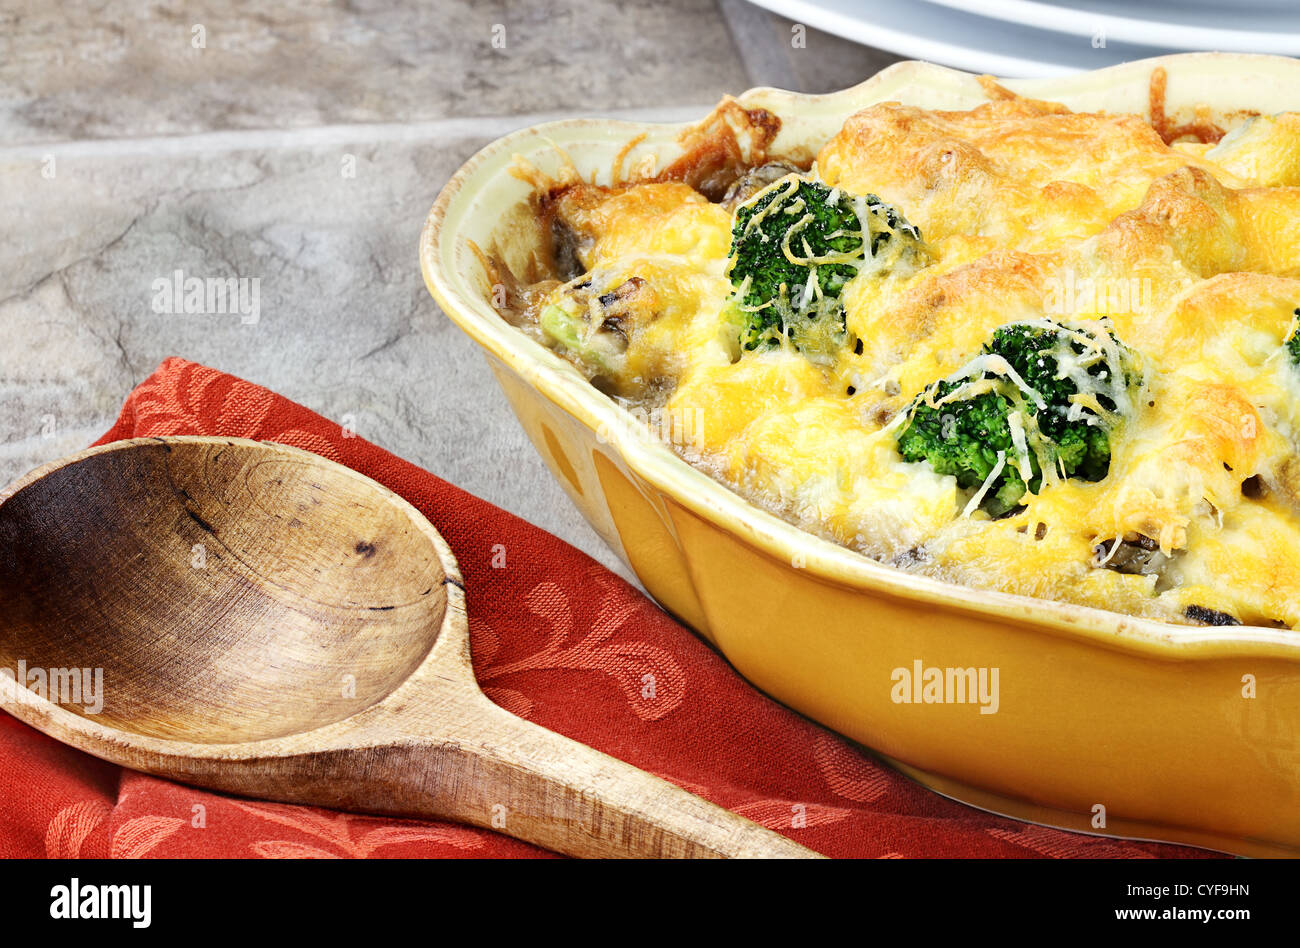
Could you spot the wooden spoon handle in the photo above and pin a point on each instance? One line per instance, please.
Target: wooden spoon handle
(520, 779)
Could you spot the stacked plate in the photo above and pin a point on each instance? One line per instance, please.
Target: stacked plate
(1051, 37)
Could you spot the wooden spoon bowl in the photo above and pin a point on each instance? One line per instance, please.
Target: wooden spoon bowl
(273, 624)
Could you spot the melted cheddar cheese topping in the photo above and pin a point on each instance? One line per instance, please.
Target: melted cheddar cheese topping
(1032, 212)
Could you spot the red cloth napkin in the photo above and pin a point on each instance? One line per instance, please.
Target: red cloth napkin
(556, 639)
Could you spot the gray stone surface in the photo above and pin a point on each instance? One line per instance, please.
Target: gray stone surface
(85, 69)
(126, 154)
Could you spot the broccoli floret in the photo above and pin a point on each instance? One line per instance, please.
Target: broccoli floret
(1293, 341)
(1059, 390)
(1079, 436)
(966, 438)
(794, 245)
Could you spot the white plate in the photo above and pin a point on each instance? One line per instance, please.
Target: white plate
(953, 38)
(1244, 28)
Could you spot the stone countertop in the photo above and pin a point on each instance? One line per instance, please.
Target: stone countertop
(304, 145)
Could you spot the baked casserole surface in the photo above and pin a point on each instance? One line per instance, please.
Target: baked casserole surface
(1016, 347)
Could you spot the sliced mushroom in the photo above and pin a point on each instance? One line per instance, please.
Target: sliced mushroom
(755, 180)
(1136, 556)
(1207, 616)
(569, 215)
(616, 314)
(566, 247)
(631, 304)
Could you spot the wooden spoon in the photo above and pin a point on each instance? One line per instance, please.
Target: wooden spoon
(272, 624)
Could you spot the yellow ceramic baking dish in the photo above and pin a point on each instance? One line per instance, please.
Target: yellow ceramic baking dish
(1103, 723)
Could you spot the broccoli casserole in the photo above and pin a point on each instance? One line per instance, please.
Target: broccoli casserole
(1017, 347)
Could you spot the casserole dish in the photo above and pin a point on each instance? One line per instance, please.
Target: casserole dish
(1095, 721)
